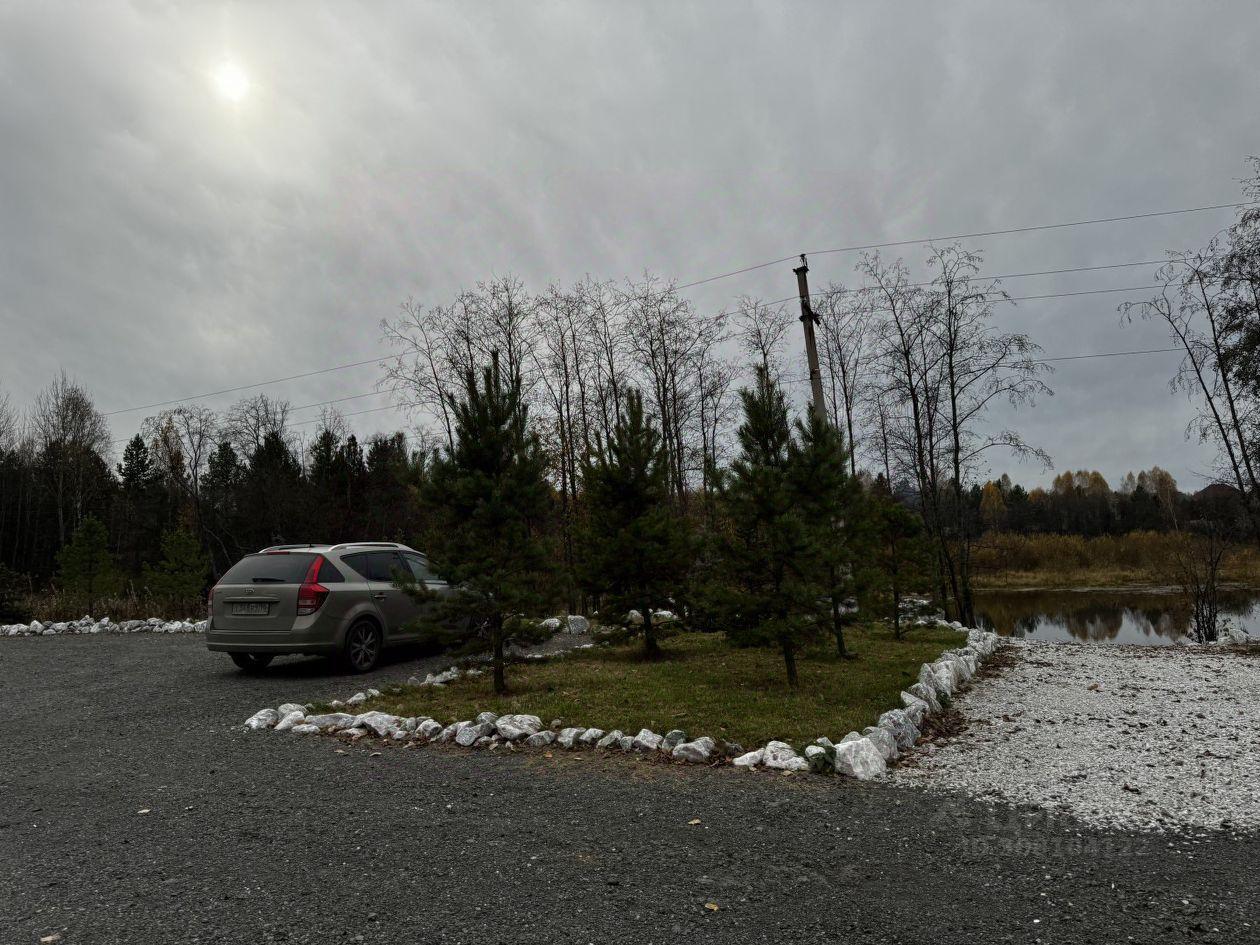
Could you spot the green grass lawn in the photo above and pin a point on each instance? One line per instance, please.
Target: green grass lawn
(703, 686)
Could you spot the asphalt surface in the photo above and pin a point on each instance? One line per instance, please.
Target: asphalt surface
(258, 837)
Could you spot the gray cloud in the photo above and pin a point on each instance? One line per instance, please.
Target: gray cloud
(156, 241)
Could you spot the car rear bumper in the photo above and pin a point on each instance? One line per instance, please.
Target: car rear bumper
(312, 640)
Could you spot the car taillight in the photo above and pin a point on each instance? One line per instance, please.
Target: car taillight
(311, 594)
(210, 605)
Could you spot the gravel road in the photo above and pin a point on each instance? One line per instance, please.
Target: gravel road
(256, 837)
(1147, 737)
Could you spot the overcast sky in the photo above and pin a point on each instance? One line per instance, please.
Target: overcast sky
(168, 227)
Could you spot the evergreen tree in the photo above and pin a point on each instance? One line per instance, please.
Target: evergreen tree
(768, 597)
(899, 559)
(388, 497)
(635, 548)
(85, 564)
(489, 497)
(181, 575)
(139, 504)
(831, 502)
(220, 493)
(270, 495)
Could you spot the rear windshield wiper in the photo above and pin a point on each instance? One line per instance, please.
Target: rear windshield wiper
(268, 580)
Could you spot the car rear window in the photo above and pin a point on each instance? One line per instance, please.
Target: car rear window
(287, 568)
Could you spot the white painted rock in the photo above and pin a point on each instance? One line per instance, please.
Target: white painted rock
(646, 740)
(471, 734)
(305, 729)
(290, 719)
(591, 736)
(634, 619)
(514, 727)
(568, 737)
(291, 707)
(946, 678)
(382, 723)
(915, 708)
(626, 743)
(331, 721)
(902, 728)
(782, 756)
(610, 740)
(357, 699)
(860, 759)
(750, 759)
(697, 751)
(541, 739)
(928, 695)
(578, 624)
(883, 741)
(429, 728)
(675, 736)
(485, 717)
(263, 718)
(551, 624)
(452, 730)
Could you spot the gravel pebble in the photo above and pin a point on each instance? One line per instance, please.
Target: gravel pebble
(1151, 738)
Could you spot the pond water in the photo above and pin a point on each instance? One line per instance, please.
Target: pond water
(1145, 615)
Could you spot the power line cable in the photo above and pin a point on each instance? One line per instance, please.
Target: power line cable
(774, 262)
(964, 236)
(232, 390)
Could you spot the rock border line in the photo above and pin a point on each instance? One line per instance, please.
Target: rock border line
(864, 756)
(89, 625)
(573, 624)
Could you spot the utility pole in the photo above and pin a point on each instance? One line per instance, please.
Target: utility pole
(808, 320)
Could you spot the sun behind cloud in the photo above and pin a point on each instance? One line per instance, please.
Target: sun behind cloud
(230, 81)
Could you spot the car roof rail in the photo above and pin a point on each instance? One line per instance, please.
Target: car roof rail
(367, 544)
(306, 544)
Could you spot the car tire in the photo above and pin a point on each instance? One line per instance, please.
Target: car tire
(362, 649)
(252, 662)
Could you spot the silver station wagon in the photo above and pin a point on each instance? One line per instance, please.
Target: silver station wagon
(334, 600)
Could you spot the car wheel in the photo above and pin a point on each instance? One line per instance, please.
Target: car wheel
(363, 647)
(252, 662)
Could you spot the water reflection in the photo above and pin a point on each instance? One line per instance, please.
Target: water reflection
(1155, 616)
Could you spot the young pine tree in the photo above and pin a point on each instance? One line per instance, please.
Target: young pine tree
(769, 596)
(635, 549)
(488, 500)
(831, 502)
(899, 558)
(85, 565)
(181, 574)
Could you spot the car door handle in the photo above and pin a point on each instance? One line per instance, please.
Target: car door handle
(379, 595)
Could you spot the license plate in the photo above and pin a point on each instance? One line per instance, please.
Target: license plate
(249, 610)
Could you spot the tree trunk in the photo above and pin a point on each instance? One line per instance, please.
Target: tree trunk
(651, 648)
(837, 627)
(500, 681)
(837, 623)
(789, 660)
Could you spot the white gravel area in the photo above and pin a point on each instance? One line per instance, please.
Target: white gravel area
(1152, 738)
